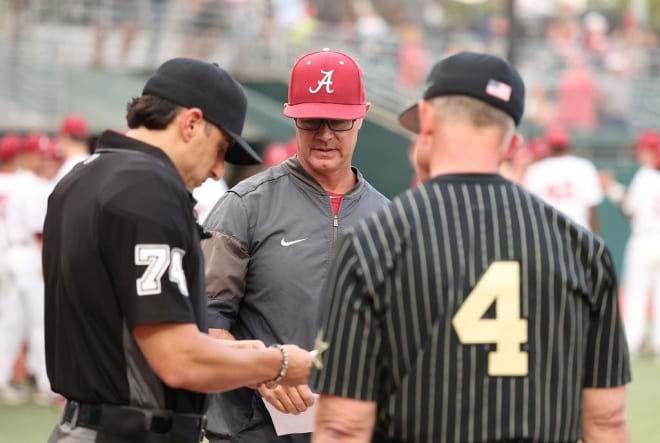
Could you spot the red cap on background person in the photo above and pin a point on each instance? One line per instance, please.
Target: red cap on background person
(35, 143)
(647, 138)
(538, 147)
(647, 147)
(53, 149)
(274, 154)
(74, 126)
(10, 145)
(557, 138)
(326, 84)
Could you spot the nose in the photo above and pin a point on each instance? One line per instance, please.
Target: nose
(218, 169)
(324, 131)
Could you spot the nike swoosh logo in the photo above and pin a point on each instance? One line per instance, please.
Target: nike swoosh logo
(292, 242)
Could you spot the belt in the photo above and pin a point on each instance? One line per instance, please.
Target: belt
(108, 418)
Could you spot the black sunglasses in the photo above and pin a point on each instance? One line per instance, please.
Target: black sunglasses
(314, 124)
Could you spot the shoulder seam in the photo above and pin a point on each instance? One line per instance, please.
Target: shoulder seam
(256, 186)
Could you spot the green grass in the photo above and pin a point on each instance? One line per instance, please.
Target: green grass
(26, 423)
(643, 402)
(32, 424)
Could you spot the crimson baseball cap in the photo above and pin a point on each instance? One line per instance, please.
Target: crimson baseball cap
(195, 83)
(35, 143)
(75, 126)
(484, 77)
(10, 145)
(326, 84)
(647, 139)
(557, 137)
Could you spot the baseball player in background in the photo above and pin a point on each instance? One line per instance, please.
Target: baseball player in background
(640, 202)
(566, 181)
(22, 211)
(207, 195)
(72, 139)
(33, 148)
(469, 310)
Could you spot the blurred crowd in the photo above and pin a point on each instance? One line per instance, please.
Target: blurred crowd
(561, 47)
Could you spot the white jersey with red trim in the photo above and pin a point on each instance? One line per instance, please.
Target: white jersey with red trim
(642, 201)
(207, 195)
(23, 197)
(567, 182)
(641, 263)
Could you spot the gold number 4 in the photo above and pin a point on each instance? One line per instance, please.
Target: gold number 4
(500, 284)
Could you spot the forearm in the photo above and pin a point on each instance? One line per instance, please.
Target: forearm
(344, 420)
(615, 192)
(594, 222)
(183, 357)
(213, 365)
(603, 415)
(611, 431)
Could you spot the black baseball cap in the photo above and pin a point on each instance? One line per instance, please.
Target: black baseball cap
(195, 83)
(482, 76)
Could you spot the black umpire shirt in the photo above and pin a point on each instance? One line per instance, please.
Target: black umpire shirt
(121, 249)
(471, 311)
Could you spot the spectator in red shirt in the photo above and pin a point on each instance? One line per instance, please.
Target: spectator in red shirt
(578, 95)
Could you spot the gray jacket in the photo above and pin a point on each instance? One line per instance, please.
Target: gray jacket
(272, 241)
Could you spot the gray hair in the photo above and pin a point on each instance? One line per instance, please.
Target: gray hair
(477, 112)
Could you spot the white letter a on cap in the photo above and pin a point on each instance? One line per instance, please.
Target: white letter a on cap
(325, 81)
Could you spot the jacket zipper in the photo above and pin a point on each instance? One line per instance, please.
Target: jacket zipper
(335, 226)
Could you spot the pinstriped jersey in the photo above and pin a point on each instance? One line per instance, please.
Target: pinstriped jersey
(471, 311)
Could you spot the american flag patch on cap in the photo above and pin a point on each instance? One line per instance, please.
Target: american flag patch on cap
(499, 90)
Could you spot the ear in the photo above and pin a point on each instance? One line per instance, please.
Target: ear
(359, 121)
(189, 120)
(514, 144)
(427, 115)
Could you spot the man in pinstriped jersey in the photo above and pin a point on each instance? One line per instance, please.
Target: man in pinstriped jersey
(469, 310)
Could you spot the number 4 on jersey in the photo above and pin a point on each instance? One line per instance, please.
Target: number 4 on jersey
(500, 284)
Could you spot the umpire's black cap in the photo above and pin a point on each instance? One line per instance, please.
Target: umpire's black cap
(195, 83)
(482, 76)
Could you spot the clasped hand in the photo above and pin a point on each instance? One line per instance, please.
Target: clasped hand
(288, 399)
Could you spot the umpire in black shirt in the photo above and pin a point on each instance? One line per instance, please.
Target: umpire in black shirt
(126, 339)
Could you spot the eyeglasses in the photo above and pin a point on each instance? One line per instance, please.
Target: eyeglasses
(314, 124)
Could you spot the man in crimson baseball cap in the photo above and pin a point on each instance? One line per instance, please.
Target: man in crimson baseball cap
(281, 217)
(326, 84)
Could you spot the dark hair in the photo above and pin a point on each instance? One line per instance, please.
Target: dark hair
(150, 111)
(92, 143)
